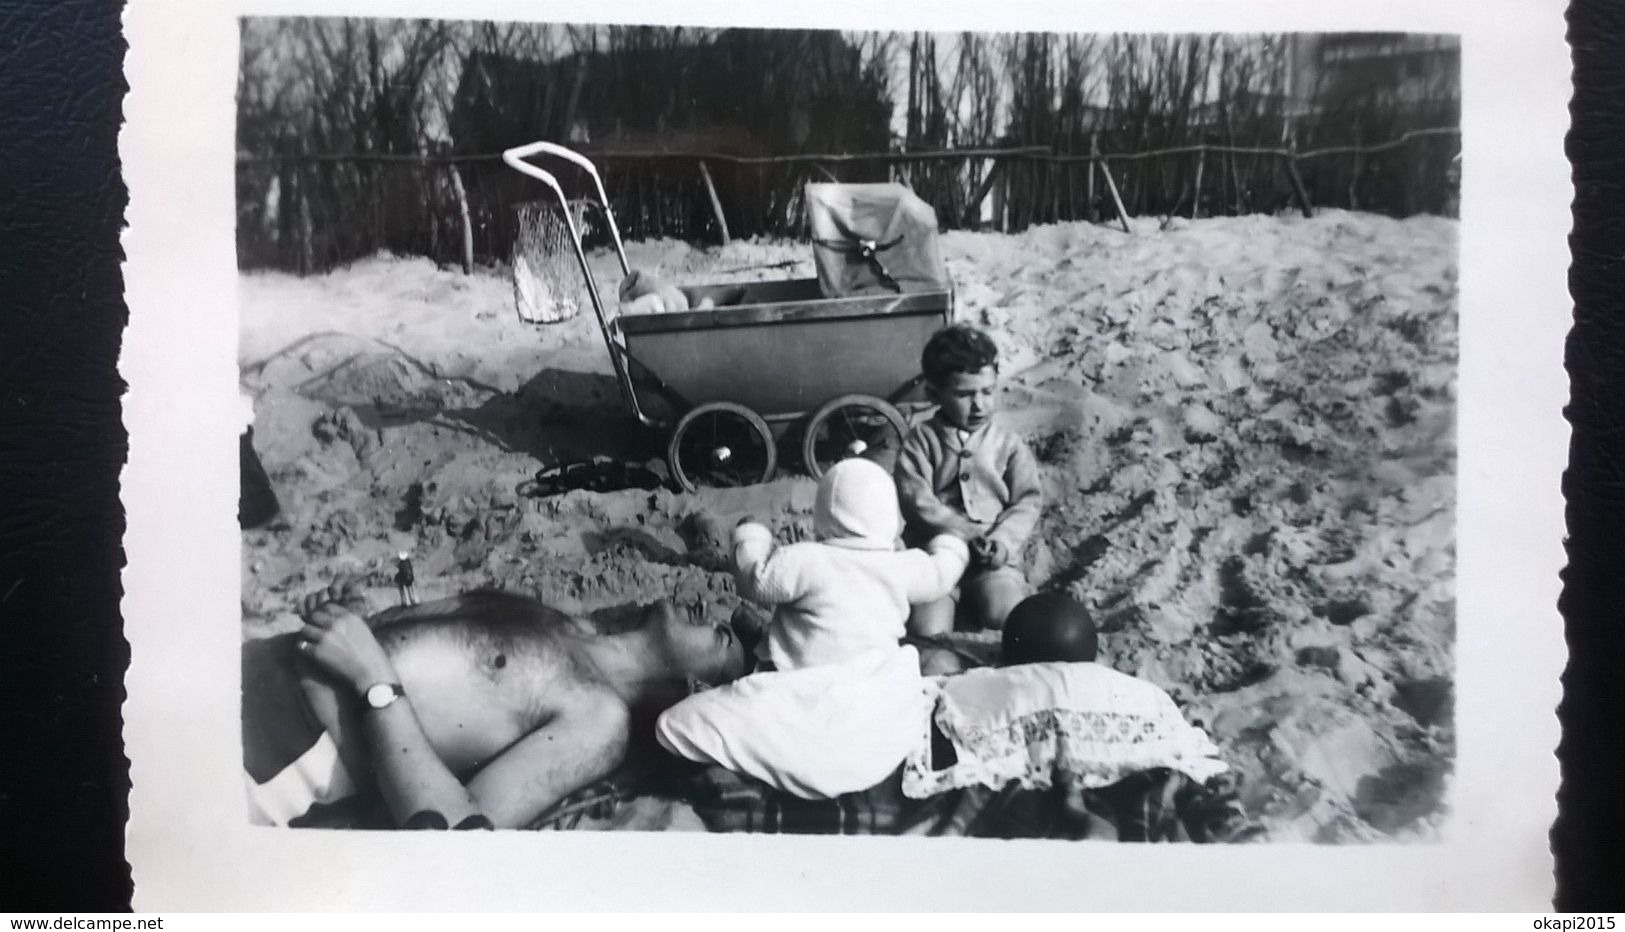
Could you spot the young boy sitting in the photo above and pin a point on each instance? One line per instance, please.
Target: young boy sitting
(839, 706)
(961, 473)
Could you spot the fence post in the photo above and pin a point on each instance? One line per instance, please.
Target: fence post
(1236, 190)
(1117, 199)
(761, 212)
(1001, 199)
(1298, 190)
(973, 210)
(307, 229)
(462, 213)
(658, 207)
(1071, 192)
(1089, 192)
(796, 205)
(1354, 179)
(1196, 196)
(1050, 173)
(716, 203)
(1015, 192)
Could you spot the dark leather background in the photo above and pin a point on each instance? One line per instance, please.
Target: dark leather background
(1589, 838)
(63, 778)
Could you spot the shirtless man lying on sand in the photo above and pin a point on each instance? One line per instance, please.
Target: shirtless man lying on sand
(488, 708)
(480, 710)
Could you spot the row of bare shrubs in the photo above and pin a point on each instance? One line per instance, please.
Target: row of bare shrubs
(350, 130)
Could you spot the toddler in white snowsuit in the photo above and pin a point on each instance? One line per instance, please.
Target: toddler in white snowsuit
(840, 708)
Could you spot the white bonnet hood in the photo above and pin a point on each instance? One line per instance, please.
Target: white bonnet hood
(857, 506)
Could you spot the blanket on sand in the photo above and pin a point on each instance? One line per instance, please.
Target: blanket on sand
(1154, 805)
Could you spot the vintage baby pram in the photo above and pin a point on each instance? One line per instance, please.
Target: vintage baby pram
(829, 364)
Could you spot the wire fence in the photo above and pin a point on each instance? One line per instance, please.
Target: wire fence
(310, 212)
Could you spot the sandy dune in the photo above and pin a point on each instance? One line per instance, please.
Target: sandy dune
(1246, 426)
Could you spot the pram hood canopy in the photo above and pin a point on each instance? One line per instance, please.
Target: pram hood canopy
(873, 239)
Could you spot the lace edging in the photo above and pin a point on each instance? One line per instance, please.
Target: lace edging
(1086, 748)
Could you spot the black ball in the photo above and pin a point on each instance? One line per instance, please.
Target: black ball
(1051, 627)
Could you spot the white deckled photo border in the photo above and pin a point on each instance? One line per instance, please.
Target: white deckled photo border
(191, 848)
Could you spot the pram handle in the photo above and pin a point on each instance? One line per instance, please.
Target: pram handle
(516, 156)
(623, 378)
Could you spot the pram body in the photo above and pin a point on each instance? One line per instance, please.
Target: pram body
(768, 361)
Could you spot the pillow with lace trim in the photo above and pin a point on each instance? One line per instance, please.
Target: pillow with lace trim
(1082, 723)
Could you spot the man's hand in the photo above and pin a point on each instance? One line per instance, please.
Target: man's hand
(338, 640)
(344, 591)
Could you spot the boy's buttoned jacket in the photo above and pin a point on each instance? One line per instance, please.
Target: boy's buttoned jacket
(968, 483)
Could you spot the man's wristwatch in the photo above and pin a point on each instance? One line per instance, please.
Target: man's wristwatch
(382, 695)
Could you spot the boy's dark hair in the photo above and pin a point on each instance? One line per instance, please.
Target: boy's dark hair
(1050, 627)
(959, 348)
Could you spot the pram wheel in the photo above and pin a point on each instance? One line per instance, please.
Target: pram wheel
(721, 444)
(852, 425)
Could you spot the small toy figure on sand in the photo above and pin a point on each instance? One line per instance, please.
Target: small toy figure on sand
(405, 581)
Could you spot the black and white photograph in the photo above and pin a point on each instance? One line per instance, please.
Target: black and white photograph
(970, 434)
(669, 437)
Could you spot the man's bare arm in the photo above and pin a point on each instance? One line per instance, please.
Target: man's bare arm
(580, 743)
(585, 742)
(410, 774)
